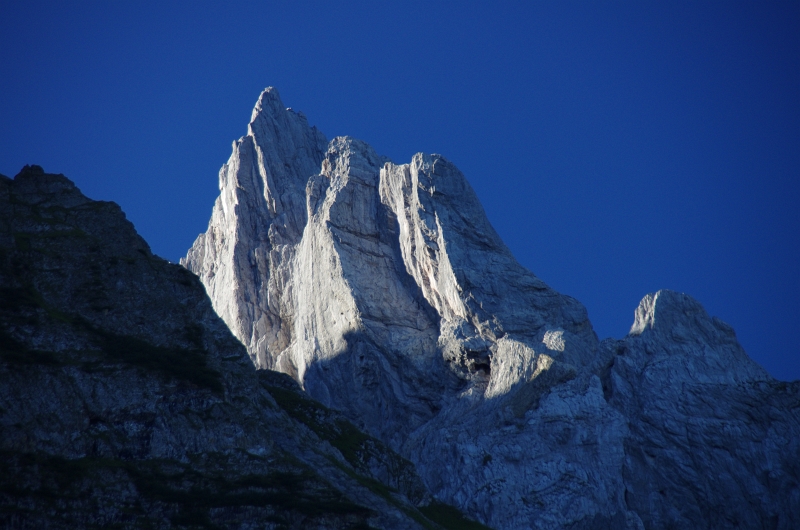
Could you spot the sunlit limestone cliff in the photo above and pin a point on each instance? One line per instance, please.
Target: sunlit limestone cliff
(383, 290)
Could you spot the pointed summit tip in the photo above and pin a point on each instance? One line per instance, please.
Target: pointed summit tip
(269, 93)
(662, 310)
(269, 102)
(31, 170)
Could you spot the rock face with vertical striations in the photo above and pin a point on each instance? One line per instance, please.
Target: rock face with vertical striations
(256, 225)
(383, 290)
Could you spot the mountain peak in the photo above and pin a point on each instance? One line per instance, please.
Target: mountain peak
(269, 103)
(385, 292)
(32, 183)
(31, 170)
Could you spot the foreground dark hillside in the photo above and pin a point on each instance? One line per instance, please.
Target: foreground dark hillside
(126, 402)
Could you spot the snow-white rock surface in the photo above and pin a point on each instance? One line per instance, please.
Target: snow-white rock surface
(384, 290)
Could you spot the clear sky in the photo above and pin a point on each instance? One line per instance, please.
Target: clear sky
(618, 147)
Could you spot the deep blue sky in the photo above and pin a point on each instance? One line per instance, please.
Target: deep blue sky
(618, 148)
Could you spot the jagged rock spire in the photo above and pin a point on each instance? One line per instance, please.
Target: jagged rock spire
(383, 289)
(255, 225)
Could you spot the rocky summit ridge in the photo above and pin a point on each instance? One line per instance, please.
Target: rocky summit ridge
(384, 291)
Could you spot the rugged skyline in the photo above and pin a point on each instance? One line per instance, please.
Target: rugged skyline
(385, 292)
(617, 150)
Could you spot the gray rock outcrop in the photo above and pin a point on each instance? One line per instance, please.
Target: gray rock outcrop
(384, 291)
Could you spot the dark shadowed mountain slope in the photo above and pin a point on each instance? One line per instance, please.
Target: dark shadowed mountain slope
(126, 402)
